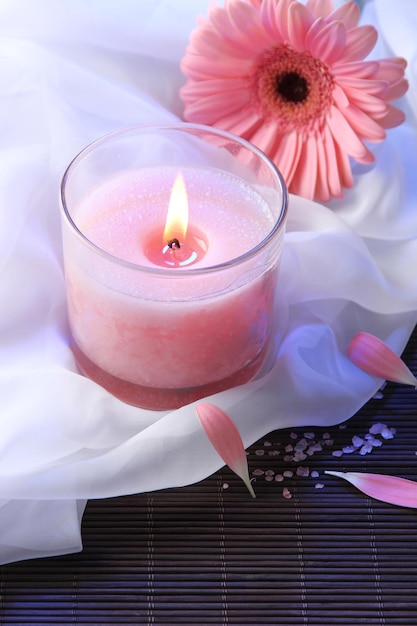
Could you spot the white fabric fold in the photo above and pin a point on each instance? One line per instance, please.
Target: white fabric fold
(69, 73)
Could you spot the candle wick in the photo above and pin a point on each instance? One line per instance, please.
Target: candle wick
(174, 243)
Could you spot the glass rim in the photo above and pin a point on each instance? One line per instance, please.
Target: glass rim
(160, 271)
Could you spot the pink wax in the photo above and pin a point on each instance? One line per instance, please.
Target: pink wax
(159, 337)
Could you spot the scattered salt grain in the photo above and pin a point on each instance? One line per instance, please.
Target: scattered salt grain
(301, 445)
(286, 493)
(309, 435)
(388, 433)
(376, 443)
(258, 472)
(300, 449)
(376, 429)
(365, 449)
(299, 456)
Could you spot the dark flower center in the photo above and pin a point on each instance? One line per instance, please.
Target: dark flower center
(292, 87)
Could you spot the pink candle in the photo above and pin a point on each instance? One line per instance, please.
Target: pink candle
(164, 310)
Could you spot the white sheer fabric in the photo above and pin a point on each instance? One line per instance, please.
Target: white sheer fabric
(71, 71)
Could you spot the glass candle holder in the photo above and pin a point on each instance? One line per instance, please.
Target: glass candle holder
(172, 237)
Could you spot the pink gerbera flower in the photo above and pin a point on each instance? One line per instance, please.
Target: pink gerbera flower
(291, 79)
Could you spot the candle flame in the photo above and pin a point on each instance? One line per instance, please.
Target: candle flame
(177, 218)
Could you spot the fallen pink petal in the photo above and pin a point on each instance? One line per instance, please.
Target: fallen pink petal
(390, 489)
(226, 440)
(373, 356)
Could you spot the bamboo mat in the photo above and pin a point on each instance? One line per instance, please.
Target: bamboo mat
(210, 554)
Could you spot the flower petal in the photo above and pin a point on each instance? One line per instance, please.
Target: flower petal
(359, 43)
(271, 20)
(300, 20)
(329, 43)
(339, 97)
(357, 69)
(343, 165)
(225, 439)
(373, 87)
(265, 138)
(207, 43)
(247, 27)
(313, 33)
(391, 69)
(281, 17)
(334, 171)
(322, 191)
(397, 90)
(344, 134)
(199, 68)
(364, 125)
(304, 180)
(208, 109)
(374, 357)
(348, 13)
(240, 123)
(287, 155)
(390, 489)
(320, 8)
(394, 117)
(214, 86)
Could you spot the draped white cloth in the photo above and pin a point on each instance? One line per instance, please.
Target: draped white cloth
(71, 71)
